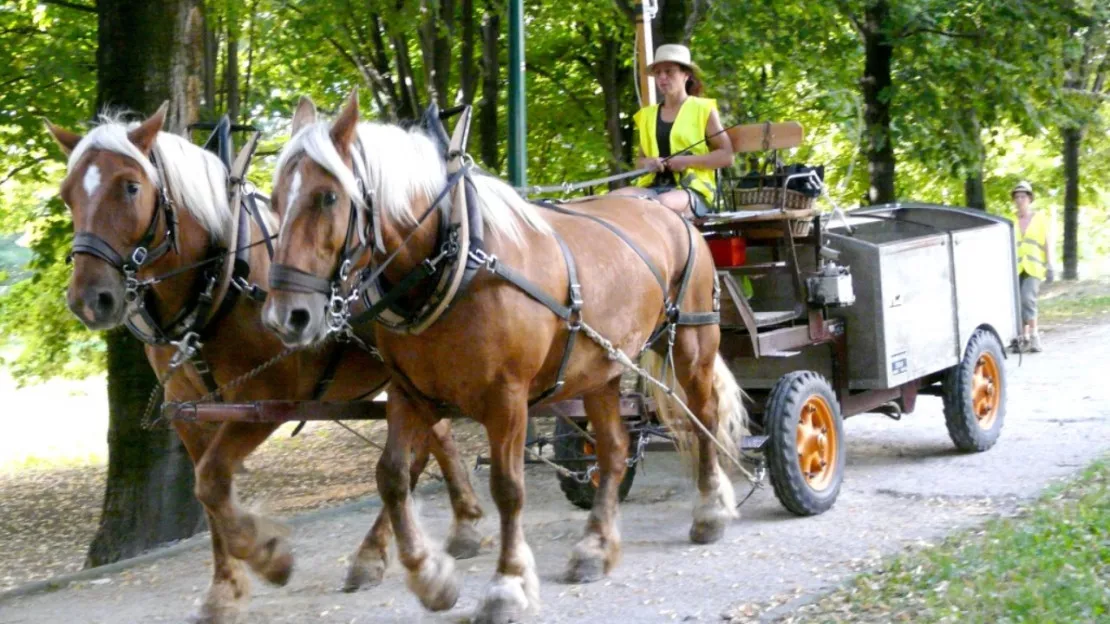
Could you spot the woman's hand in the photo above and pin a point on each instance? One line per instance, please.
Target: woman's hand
(678, 163)
(654, 164)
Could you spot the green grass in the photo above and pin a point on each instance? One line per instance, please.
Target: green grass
(1063, 308)
(1051, 563)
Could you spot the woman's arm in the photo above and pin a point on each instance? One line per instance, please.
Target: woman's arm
(718, 158)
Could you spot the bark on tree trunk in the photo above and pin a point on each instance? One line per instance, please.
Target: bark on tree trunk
(670, 22)
(974, 193)
(1072, 139)
(445, 29)
(491, 76)
(141, 62)
(410, 102)
(466, 58)
(877, 95)
(610, 90)
(209, 73)
(231, 73)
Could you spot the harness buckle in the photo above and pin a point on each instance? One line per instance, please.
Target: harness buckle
(339, 311)
(130, 287)
(186, 348)
(249, 289)
(345, 270)
(576, 297)
(139, 256)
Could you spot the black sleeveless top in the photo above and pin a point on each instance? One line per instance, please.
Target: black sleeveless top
(663, 140)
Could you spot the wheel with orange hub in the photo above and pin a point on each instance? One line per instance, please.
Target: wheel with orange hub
(577, 454)
(805, 451)
(975, 394)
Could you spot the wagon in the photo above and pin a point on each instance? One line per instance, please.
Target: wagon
(844, 314)
(823, 316)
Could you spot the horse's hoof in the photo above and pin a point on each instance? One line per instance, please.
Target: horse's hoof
(707, 531)
(465, 543)
(274, 561)
(505, 601)
(364, 572)
(209, 614)
(434, 583)
(585, 569)
(217, 608)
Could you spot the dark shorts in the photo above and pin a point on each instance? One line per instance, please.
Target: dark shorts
(698, 203)
(1030, 289)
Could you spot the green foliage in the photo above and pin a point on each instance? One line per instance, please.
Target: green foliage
(1051, 564)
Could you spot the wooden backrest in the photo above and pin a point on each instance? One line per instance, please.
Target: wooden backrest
(765, 136)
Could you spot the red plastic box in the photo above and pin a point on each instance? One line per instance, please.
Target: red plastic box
(728, 252)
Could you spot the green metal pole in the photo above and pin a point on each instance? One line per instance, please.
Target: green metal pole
(517, 128)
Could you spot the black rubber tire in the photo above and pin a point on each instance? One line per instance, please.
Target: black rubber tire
(959, 413)
(569, 452)
(784, 406)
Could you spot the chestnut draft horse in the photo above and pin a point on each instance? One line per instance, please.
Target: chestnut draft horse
(131, 186)
(506, 338)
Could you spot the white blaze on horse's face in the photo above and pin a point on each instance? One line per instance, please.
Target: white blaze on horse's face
(294, 189)
(290, 203)
(91, 181)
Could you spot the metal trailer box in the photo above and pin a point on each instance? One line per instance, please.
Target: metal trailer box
(925, 278)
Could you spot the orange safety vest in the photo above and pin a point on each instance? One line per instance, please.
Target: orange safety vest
(1032, 247)
(688, 129)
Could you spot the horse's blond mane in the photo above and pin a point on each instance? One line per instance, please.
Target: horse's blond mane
(195, 178)
(402, 166)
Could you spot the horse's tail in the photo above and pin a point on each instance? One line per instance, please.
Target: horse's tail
(732, 418)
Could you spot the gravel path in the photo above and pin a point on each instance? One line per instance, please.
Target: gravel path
(904, 486)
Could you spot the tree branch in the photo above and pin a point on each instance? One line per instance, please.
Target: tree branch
(937, 31)
(847, 11)
(72, 5)
(559, 83)
(692, 20)
(27, 165)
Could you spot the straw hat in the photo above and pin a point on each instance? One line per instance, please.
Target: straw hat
(674, 53)
(1022, 187)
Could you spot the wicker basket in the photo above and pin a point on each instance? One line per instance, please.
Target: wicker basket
(772, 196)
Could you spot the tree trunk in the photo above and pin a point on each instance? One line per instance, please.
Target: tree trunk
(491, 82)
(466, 58)
(231, 73)
(877, 87)
(141, 62)
(410, 102)
(610, 91)
(669, 24)
(1072, 138)
(974, 194)
(445, 29)
(211, 47)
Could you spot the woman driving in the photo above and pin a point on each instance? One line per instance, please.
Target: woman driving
(685, 183)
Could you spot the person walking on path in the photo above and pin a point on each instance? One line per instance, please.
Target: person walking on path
(1034, 262)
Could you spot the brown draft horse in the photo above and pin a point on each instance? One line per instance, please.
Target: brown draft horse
(498, 347)
(113, 192)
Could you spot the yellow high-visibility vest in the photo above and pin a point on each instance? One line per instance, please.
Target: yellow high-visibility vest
(688, 129)
(1032, 247)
